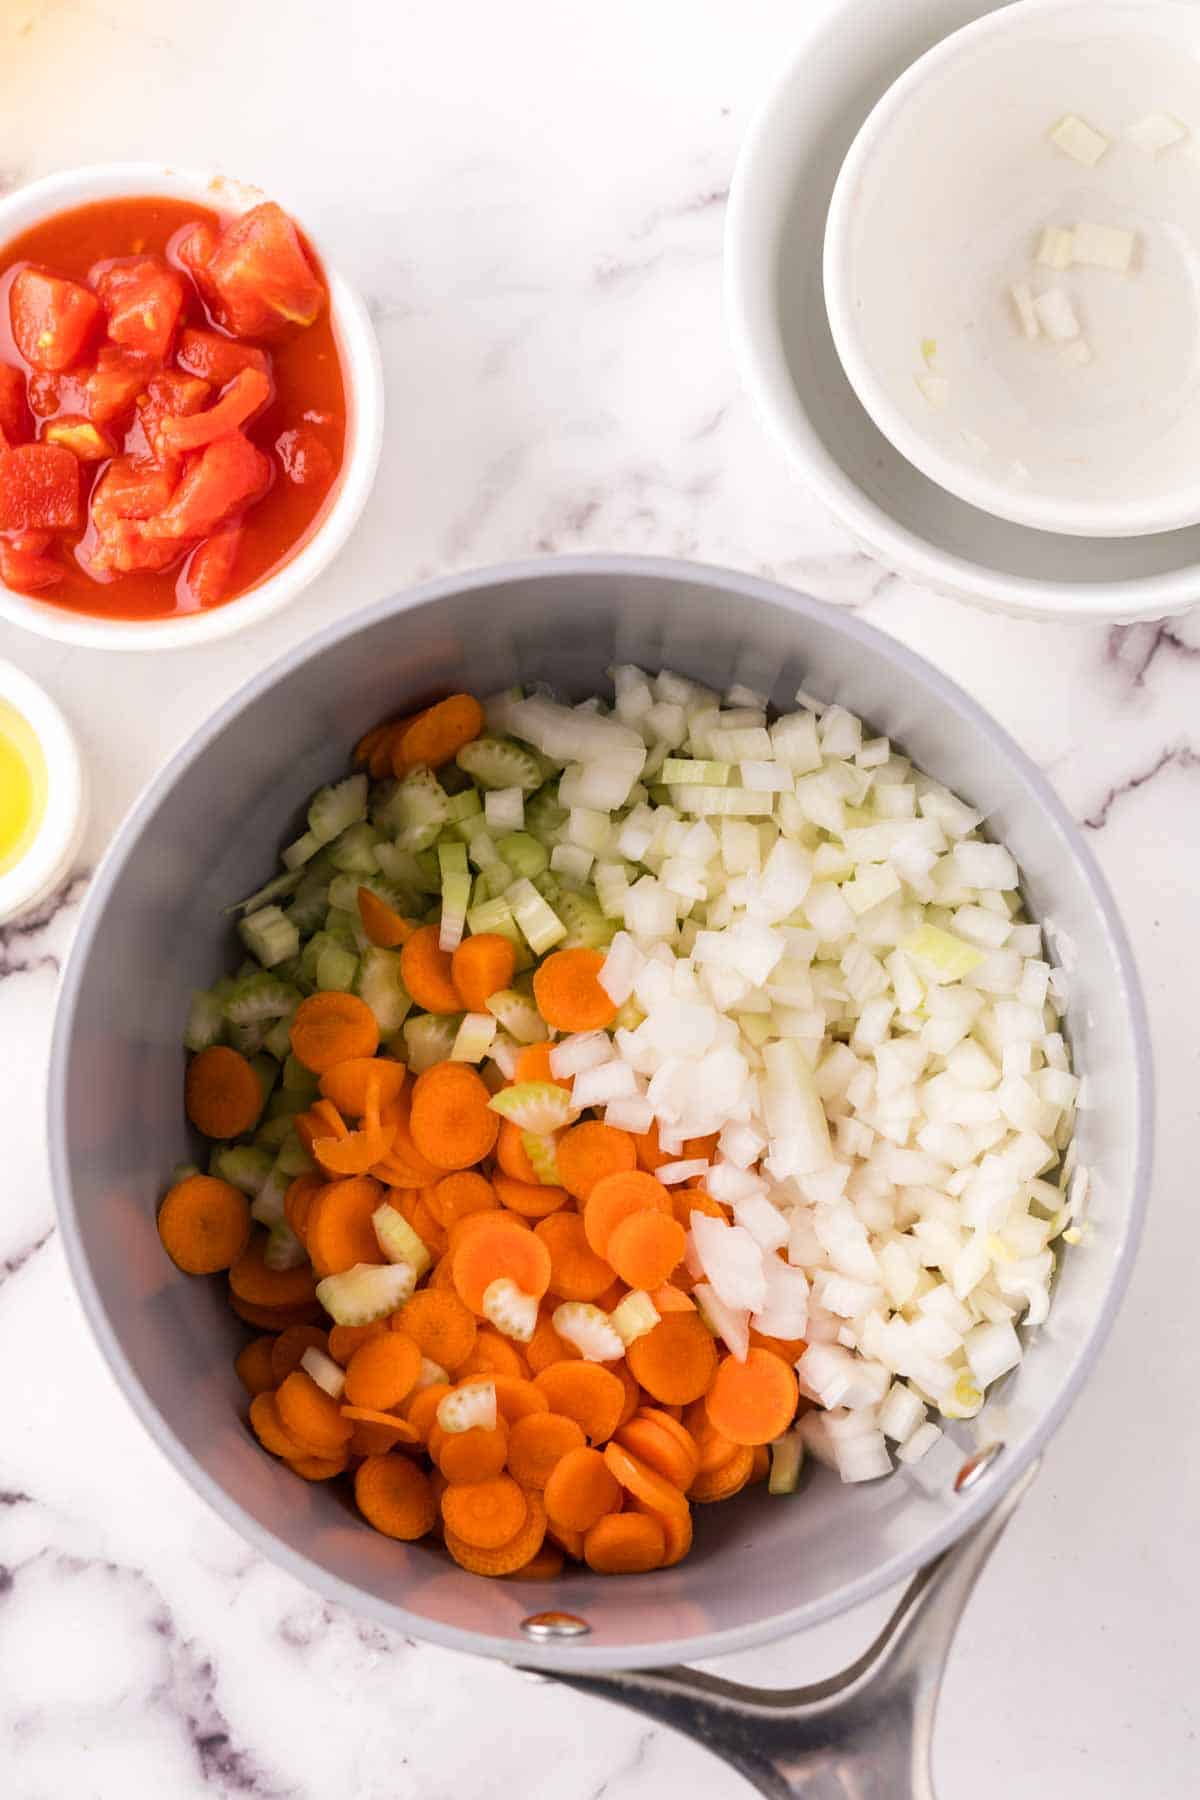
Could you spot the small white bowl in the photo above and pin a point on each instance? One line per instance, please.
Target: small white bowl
(938, 214)
(362, 374)
(779, 328)
(56, 843)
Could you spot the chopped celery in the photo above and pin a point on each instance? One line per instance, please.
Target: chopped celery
(523, 854)
(538, 1106)
(548, 886)
(452, 859)
(634, 1316)
(540, 1150)
(297, 1079)
(266, 1208)
(278, 1041)
(544, 817)
(297, 854)
(495, 915)
(183, 1172)
(342, 925)
(474, 1038)
(267, 1070)
(293, 1158)
(247, 1039)
(335, 808)
(283, 1248)
(456, 894)
(429, 1039)
(415, 812)
(464, 807)
(244, 1166)
(353, 853)
(498, 763)
(324, 1371)
(585, 922)
(336, 969)
(400, 867)
(429, 873)
(310, 954)
(206, 1019)
(367, 1292)
(275, 889)
(310, 905)
(512, 1313)
(518, 1015)
(261, 998)
(787, 1460)
(611, 882)
(277, 1126)
(540, 925)
(494, 881)
(343, 893)
(270, 936)
(381, 985)
(504, 809)
(398, 1241)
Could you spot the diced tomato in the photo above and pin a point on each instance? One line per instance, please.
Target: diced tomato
(115, 383)
(126, 495)
(170, 395)
(39, 489)
(143, 298)
(306, 459)
(127, 548)
(53, 319)
(263, 280)
(209, 572)
(195, 246)
(14, 410)
(24, 564)
(246, 395)
(220, 481)
(217, 359)
(80, 436)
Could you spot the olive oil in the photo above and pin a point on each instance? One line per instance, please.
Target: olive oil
(22, 787)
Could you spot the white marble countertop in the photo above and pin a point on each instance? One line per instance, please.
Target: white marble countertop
(532, 197)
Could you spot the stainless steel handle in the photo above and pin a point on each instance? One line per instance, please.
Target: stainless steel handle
(865, 1734)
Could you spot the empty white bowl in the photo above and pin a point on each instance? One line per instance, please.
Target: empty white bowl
(779, 327)
(934, 232)
(362, 375)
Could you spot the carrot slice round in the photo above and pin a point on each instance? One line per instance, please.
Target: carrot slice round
(455, 1196)
(497, 1246)
(485, 1514)
(435, 737)
(530, 1199)
(346, 1083)
(252, 1281)
(289, 1347)
(331, 1028)
(339, 1231)
(425, 969)
(222, 1094)
(442, 1328)
(586, 1153)
(726, 1480)
(344, 1340)
(375, 1433)
(510, 1557)
(451, 1120)
(384, 1372)
(385, 928)
(545, 1565)
(538, 1442)
(568, 994)
(545, 1347)
(533, 1064)
(253, 1366)
(395, 1496)
(675, 1462)
(592, 1396)
(625, 1544)
(676, 1361)
(311, 1416)
(493, 1355)
(482, 966)
(269, 1428)
(204, 1224)
(576, 1272)
(421, 1410)
(516, 1396)
(677, 1532)
(474, 1455)
(297, 1202)
(752, 1402)
(643, 1482)
(580, 1489)
(616, 1197)
(512, 1155)
(646, 1248)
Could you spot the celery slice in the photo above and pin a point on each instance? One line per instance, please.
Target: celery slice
(585, 921)
(302, 851)
(634, 1316)
(398, 1241)
(283, 1248)
(513, 1313)
(367, 1292)
(278, 1041)
(415, 812)
(353, 853)
(244, 1166)
(336, 969)
(474, 1038)
(540, 1149)
(787, 1460)
(523, 854)
(275, 889)
(206, 1018)
(538, 1106)
(469, 1408)
(381, 985)
(540, 925)
(429, 1039)
(518, 1015)
(494, 916)
(261, 998)
(333, 809)
(270, 936)
(464, 808)
(499, 763)
(293, 1158)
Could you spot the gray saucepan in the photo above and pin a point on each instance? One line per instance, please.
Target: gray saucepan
(206, 832)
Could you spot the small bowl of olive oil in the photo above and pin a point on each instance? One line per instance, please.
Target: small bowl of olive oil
(42, 794)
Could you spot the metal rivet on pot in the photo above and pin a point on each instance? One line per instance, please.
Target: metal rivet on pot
(553, 1627)
(976, 1467)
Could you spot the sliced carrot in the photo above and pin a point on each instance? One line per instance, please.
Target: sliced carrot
(670, 1422)
(290, 1345)
(516, 1395)
(512, 1155)
(537, 1442)
(592, 1396)
(425, 969)
(614, 1198)
(435, 737)
(493, 1355)
(346, 1083)
(454, 1196)
(545, 1565)
(529, 1199)
(677, 1532)
(395, 1496)
(671, 1298)
(587, 1153)
(752, 1402)
(533, 1064)
(484, 1514)
(411, 1204)
(474, 1455)
(646, 1248)
(384, 927)
(442, 1328)
(726, 1480)
(570, 1542)
(318, 1468)
(253, 1366)
(652, 1156)
(482, 965)
(344, 1340)
(625, 1544)
(790, 1349)
(545, 1347)
(714, 1448)
(470, 1223)
(687, 1200)
(676, 1361)
(375, 1433)
(370, 742)
(643, 1482)
(497, 1246)
(340, 1232)
(222, 1094)
(576, 1272)
(567, 991)
(404, 1166)
(612, 1295)
(451, 1121)
(331, 1028)
(421, 1410)
(298, 1200)
(275, 1318)
(510, 1557)
(762, 1464)
(204, 1224)
(269, 1428)
(441, 1281)
(384, 1372)
(311, 1416)
(633, 1392)
(675, 1462)
(580, 1489)
(252, 1281)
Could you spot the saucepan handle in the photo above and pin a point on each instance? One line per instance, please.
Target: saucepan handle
(865, 1734)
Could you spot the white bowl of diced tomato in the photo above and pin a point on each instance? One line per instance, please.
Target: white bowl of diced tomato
(191, 407)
